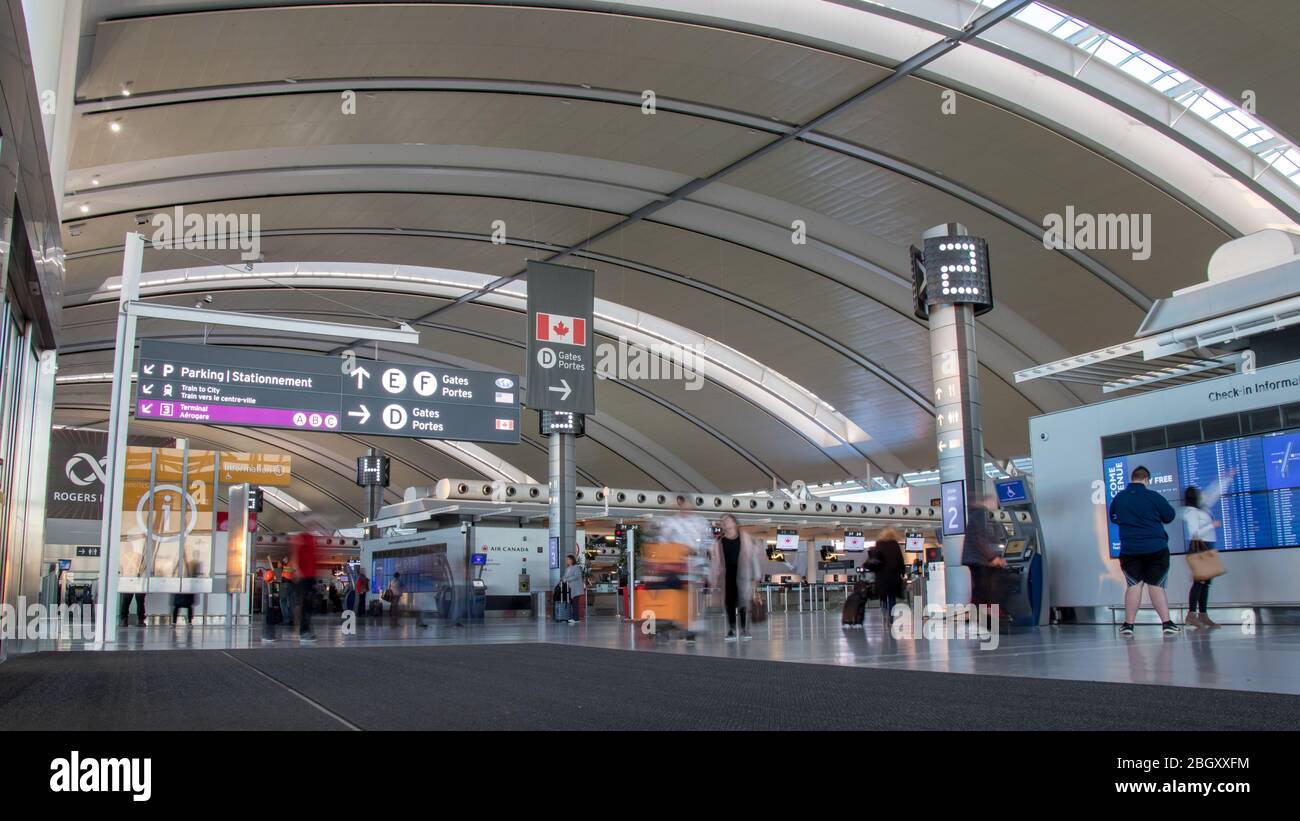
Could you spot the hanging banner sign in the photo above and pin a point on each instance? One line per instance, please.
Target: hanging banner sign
(561, 359)
(249, 388)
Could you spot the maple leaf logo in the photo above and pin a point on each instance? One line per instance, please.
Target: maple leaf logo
(561, 329)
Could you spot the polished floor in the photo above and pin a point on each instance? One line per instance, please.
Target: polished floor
(1265, 660)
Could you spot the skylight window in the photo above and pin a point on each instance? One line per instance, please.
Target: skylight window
(1223, 113)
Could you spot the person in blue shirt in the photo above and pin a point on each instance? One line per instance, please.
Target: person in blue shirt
(1142, 514)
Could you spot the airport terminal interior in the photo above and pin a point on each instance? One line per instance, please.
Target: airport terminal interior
(662, 364)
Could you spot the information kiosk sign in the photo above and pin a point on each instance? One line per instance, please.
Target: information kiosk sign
(250, 388)
(561, 363)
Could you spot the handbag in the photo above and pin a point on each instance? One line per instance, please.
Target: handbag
(757, 610)
(1204, 561)
(388, 594)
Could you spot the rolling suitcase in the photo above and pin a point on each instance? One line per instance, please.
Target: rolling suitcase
(855, 610)
(563, 604)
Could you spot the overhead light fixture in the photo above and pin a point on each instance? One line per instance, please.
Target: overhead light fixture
(94, 180)
(115, 126)
(85, 209)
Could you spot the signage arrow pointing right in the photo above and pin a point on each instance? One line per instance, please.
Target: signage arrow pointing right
(564, 391)
(361, 374)
(364, 413)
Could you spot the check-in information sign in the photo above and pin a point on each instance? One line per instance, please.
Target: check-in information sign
(561, 366)
(251, 388)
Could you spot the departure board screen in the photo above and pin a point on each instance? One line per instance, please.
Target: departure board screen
(1253, 480)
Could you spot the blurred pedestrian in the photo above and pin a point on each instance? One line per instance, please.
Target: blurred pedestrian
(287, 597)
(689, 529)
(306, 556)
(393, 595)
(1201, 529)
(363, 587)
(886, 561)
(980, 555)
(737, 564)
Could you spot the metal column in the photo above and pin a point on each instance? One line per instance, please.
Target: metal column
(563, 482)
(119, 416)
(958, 419)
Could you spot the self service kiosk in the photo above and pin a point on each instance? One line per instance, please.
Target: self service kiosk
(1023, 554)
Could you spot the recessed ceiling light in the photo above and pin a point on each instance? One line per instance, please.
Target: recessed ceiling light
(94, 180)
(115, 126)
(85, 209)
(126, 92)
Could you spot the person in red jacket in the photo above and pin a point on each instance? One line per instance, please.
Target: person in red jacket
(306, 557)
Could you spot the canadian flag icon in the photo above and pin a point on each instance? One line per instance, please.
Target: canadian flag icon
(505, 424)
(567, 330)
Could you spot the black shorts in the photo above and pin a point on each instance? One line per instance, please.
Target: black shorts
(1145, 568)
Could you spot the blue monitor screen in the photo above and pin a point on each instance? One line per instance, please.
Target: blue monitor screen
(1254, 482)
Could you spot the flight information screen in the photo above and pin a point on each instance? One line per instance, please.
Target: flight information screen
(1257, 479)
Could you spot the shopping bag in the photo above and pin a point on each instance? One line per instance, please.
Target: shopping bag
(1205, 564)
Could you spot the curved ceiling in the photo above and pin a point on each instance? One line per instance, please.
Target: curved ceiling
(414, 135)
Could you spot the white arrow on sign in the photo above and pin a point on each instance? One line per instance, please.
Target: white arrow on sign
(361, 374)
(148, 369)
(364, 413)
(147, 390)
(564, 391)
(147, 407)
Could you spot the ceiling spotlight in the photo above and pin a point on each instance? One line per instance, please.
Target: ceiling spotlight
(207, 300)
(94, 180)
(248, 266)
(115, 126)
(85, 209)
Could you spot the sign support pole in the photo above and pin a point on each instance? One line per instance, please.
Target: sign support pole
(960, 428)
(118, 419)
(563, 480)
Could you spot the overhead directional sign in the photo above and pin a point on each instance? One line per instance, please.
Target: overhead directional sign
(237, 386)
(561, 366)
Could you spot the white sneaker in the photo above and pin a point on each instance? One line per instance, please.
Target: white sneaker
(573, 621)
(746, 637)
(731, 637)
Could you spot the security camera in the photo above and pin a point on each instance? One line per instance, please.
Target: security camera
(143, 219)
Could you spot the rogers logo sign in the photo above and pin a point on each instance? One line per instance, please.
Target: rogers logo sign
(76, 472)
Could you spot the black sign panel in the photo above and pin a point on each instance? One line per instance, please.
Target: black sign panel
(242, 387)
(561, 362)
(76, 473)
